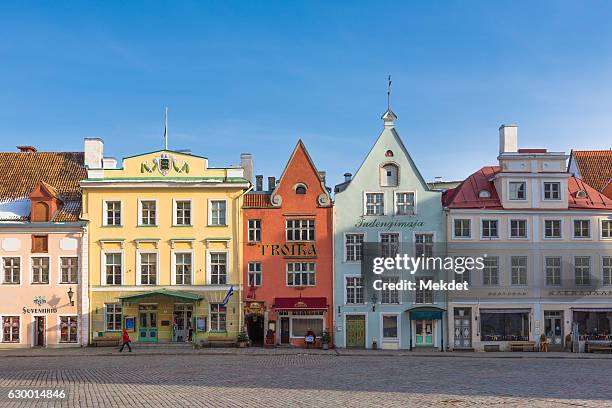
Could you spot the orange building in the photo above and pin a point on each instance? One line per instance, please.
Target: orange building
(287, 258)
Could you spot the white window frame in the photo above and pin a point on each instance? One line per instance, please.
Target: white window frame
(351, 276)
(499, 275)
(395, 193)
(346, 260)
(544, 237)
(482, 237)
(209, 265)
(399, 292)
(602, 257)
(365, 206)
(59, 329)
(544, 182)
(590, 270)
(574, 237)
(104, 211)
(140, 252)
(384, 178)
(260, 272)
(471, 222)
(398, 318)
(301, 229)
(174, 212)
(527, 226)
(433, 238)
(255, 229)
(210, 330)
(306, 261)
(32, 270)
(601, 222)
(2, 277)
(209, 218)
(173, 254)
(545, 270)
(526, 271)
(143, 200)
(21, 317)
(59, 268)
(106, 315)
(517, 182)
(103, 266)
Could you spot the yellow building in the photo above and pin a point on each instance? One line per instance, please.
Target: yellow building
(164, 234)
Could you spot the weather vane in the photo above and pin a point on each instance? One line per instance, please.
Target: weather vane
(389, 93)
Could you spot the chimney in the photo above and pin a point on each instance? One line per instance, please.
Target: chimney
(258, 182)
(322, 175)
(94, 152)
(27, 149)
(246, 162)
(271, 183)
(109, 163)
(347, 177)
(508, 139)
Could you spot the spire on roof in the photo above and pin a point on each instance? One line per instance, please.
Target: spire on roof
(389, 117)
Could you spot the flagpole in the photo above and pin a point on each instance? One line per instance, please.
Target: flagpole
(166, 130)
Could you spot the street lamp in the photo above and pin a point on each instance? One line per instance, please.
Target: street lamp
(70, 294)
(373, 302)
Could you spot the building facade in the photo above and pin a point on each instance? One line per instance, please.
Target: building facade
(547, 237)
(386, 205)
(288, 263)
(43, 250)
(164, 247)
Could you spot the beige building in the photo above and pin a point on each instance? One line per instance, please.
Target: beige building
(546, 237)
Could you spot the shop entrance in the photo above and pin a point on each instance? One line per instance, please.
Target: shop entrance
(355, 331)
(182, 329)
(463, 328)
(255, 329)
(553, 328)
(424, 333)
(284, 330)
(147, 331)
(39, 331)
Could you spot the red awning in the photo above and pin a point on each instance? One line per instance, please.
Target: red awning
(300, 303)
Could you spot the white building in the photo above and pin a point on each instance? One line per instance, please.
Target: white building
(547, 237)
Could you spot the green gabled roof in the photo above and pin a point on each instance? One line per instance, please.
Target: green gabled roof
(175, 294)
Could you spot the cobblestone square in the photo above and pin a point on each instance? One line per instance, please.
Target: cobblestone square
(301, 380)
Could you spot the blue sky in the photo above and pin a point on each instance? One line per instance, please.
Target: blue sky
(254, 76)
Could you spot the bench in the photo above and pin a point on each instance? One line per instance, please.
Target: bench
(522, 346)
(598, 347)
(105, 341)
(221, 342)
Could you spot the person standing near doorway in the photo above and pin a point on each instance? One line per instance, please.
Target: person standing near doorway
(126, 341)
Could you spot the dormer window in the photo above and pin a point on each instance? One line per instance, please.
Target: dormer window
(581, 194)
(517, 190)
(40, 212)
(389, 175)
(484, 194)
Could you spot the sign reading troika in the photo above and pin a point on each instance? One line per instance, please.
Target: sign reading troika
(297, 250)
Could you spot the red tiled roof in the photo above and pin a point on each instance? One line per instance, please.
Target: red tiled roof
(257, 200)
(300, 303)
(466, 195)
(595, 167)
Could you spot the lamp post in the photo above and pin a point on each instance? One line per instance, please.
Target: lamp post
(70, 294)
(373, 302)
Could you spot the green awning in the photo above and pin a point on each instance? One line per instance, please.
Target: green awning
(173, 294)
(426, 313)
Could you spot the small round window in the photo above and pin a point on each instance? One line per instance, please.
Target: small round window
(389, 153)
(300, 190)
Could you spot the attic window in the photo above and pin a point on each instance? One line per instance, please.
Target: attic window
(484, 194)
(389, 153)
(300, 189)
(581, 194)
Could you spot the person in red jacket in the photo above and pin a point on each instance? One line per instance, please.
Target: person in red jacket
(126, 341)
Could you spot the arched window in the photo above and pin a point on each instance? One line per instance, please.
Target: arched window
(40, 212)
(389, 175)
(300, 189)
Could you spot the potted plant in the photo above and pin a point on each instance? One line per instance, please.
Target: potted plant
(242, 339)
(325, 340)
